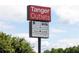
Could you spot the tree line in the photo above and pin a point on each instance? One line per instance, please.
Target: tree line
(74, 49)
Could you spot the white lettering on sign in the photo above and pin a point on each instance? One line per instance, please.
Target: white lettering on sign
(40, 10)
(38, 16)
(39, 13)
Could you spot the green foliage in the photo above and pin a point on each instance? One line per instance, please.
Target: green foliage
(9, 44)
(46, 51)
(59, 50)
(53, 50)
(66, 50)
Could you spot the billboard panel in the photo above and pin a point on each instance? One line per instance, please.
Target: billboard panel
(39, 29)
(38, 13)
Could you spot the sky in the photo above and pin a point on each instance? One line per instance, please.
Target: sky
(63, 28)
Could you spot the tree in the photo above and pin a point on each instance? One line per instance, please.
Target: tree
(53, 50)
(77, 49)
(59, 50)
(46, 51)
(9, 44)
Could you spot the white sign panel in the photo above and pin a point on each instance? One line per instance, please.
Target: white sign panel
(39, 29)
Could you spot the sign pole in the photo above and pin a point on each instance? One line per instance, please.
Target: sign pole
(39, 44)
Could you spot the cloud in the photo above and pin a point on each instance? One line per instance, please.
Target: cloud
(45, 44)
(12, 13)
(8, 2)
(64, 43)
(13, 10)
(68, 14)
(5, 26)
(52, 3)
(13, 2)
(40, 2)
(54, 30)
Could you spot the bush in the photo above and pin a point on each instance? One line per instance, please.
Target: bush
(9, 44)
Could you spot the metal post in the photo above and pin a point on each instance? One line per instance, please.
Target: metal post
(39, 44)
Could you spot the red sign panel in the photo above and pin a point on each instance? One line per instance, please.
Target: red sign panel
(38, 13)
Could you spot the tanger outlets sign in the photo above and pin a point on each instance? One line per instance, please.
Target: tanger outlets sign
(39, 29)
(38, 13)
(39, 18)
